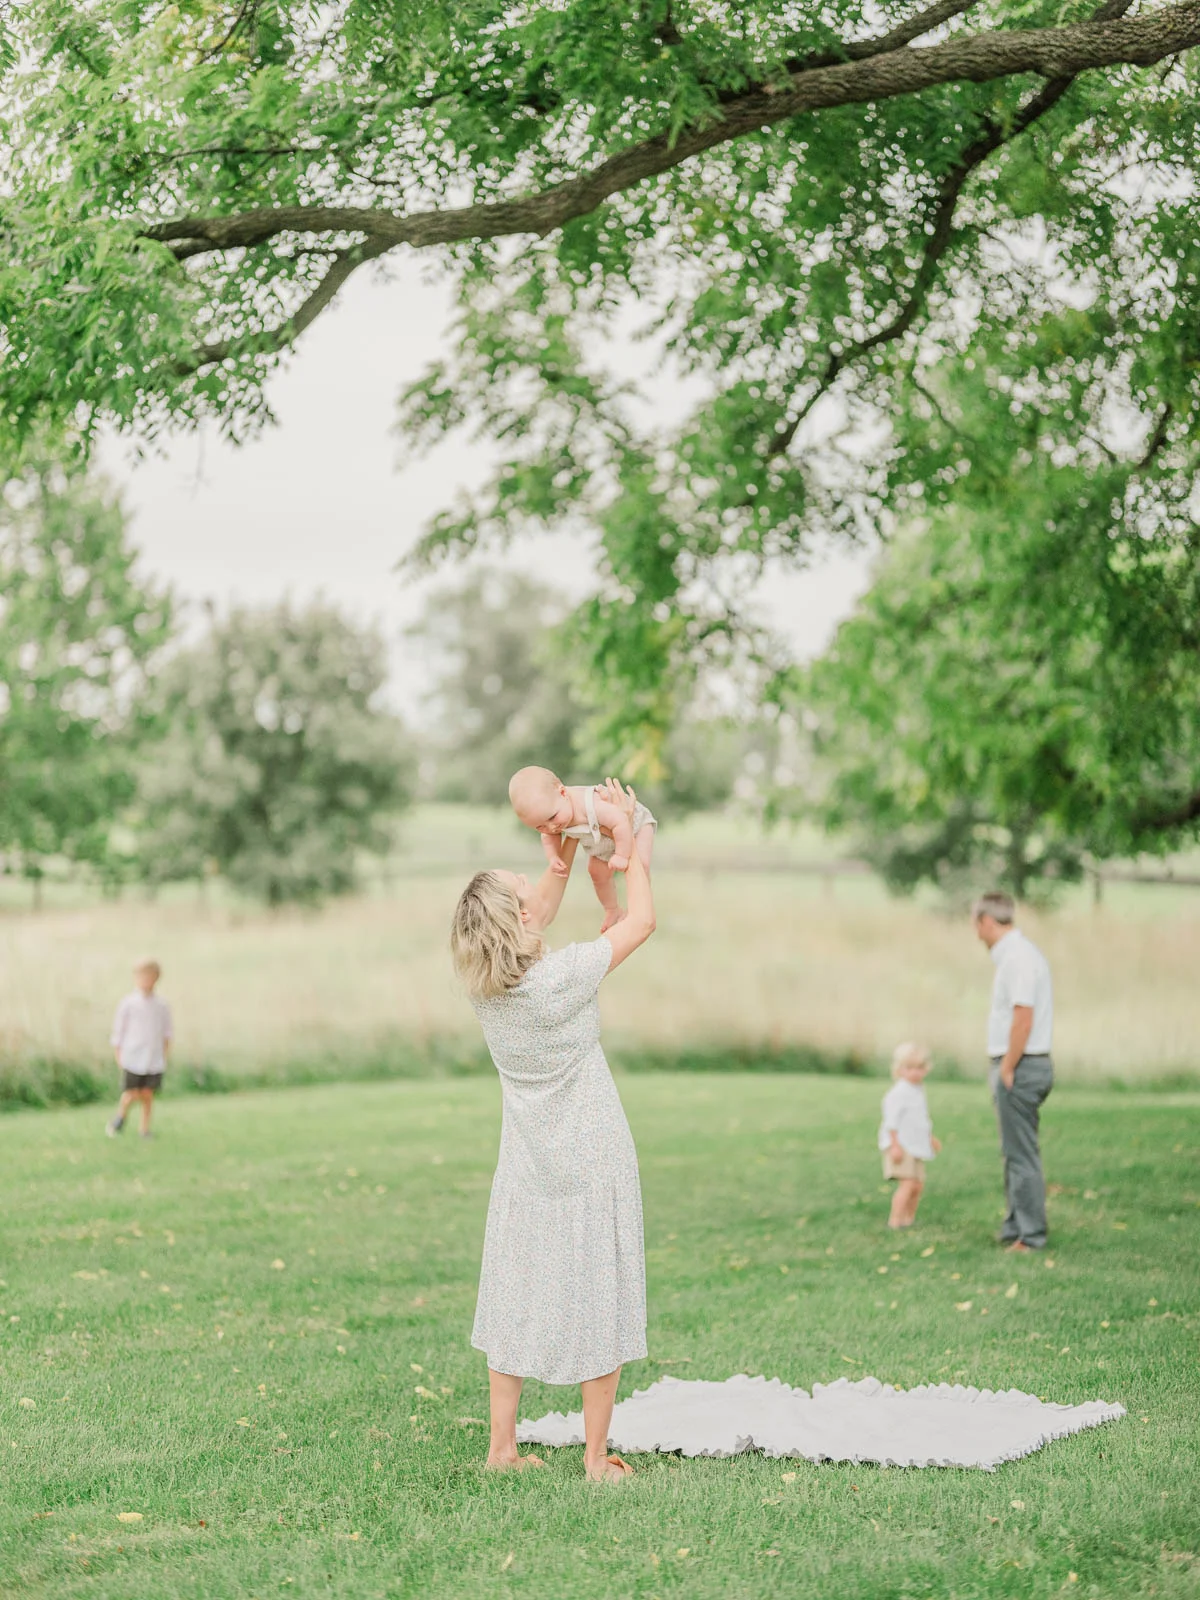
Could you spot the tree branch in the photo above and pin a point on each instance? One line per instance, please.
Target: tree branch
(272, 340)
(1158, 438)
(993, 135)
(919, 24)
(1054, 53)
(979, 58)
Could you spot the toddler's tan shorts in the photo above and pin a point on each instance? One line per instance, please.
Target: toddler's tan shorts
(907, 1167)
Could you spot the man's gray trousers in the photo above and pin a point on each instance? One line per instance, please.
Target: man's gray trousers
(1017, 1110)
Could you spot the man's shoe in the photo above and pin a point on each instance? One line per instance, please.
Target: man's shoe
(146, 1134)
(113, 1128)
(1018, 1248)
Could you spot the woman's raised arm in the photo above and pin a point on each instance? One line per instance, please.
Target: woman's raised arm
(550, 887)
(638, 922)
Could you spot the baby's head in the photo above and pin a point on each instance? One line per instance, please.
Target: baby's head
(146, 974)
(911, 1062)
(540, 800)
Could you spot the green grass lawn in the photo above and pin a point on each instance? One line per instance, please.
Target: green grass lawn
(253, 1333)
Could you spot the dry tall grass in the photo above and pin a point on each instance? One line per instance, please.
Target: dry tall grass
(742, 957)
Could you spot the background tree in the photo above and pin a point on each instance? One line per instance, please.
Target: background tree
(502, 697)
(79, 628)
(506, 696)
(278, 766)
(1020, 689)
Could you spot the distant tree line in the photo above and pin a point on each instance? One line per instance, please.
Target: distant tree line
(260, 752)
(1000, 704)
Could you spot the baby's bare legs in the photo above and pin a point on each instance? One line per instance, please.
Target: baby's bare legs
(602, 877)
(502, 1451)
(598, 1397)
(904, 1203)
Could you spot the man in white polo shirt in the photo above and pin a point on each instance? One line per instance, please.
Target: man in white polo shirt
(1019, 1037)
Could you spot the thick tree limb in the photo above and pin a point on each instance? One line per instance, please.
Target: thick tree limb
(979, 58)
(1055, 53)
(993, 135)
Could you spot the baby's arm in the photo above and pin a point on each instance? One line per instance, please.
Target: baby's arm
(552, 845)
(614, 821)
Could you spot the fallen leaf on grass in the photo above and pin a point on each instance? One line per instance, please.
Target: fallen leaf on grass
(470, 1422)
(963, 1305)
(681, 1554)
(1012, 1291)
(243, 1422)
(278, 1264)
(90, 1276)
(928, 1251)
(1017, 1505)
(787, 1477)
(507, 1562)
(129, 1516)
(426, 1394)
(27, 1404)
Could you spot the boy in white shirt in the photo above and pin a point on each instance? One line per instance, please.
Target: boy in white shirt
(906, 1133)
(141, 1038)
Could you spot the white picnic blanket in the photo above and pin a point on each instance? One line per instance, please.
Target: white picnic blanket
(935, 1425)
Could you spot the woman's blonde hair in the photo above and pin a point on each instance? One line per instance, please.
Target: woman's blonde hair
(491, 947)
(909, 1055)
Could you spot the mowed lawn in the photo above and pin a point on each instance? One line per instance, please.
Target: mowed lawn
(251, 1335)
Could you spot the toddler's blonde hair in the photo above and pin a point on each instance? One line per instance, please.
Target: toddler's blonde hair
(910, 1055)
(147, 964)
(491, 947)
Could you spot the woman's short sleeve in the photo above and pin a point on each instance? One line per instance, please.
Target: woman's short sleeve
(589, 965)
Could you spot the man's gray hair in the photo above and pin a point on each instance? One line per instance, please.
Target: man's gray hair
(996, 904)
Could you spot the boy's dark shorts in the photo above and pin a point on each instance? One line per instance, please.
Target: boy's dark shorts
(140, 1080)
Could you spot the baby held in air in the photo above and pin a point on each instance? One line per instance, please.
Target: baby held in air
(581, 812)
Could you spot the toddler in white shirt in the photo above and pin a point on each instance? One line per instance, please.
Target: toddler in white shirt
(906, 1132)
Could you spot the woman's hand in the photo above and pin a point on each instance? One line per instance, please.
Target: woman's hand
(623, 798)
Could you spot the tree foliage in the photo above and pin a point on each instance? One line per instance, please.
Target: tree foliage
(507, 694)
(502, 698)
(78, 629)
(1020, 689)
(820, 212)
(277, 766)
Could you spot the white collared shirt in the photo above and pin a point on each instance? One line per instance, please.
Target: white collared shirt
(141, 1027)
(1022, 979)
(906, 1113)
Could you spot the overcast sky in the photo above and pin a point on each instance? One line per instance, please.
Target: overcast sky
(317, 504)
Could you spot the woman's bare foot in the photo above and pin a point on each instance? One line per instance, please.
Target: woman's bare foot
(611, 1470)
(513, 1463)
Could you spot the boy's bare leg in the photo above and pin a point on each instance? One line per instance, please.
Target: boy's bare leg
(505, 1392)
(917, 1189)
(147, 1098)
(598, 1397)
(603, 881)
(904, 1203)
